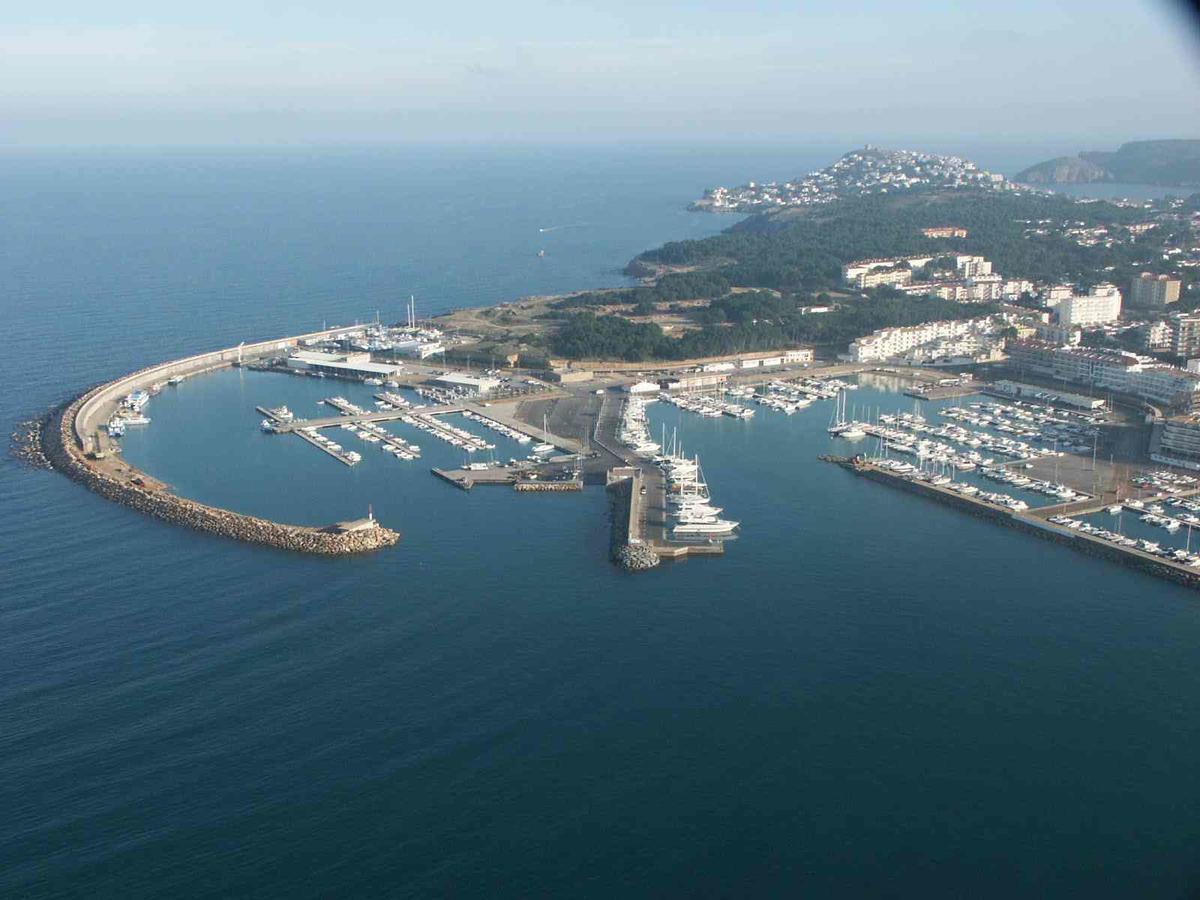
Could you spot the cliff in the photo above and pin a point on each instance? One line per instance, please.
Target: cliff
(1170, 163)
(1064, 170)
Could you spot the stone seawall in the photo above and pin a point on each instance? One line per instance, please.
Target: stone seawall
(1031, 525)
(62, 450)
(630, 557)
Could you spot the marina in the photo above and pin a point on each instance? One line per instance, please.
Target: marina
(911, 697)
(977, 450)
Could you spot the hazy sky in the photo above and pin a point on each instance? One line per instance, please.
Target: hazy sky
(236, 72)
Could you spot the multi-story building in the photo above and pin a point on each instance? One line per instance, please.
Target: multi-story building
(1150, 291)
(1176, 441)
(1114, 370)
(852, 270)
(929, 343)
(1015, 287)
(1186, 335)
(1099, 305)
(1156, 335)
(972, 266)
(984, 289)
(1058, 334)
(877, 277)
(944, 231)
(1053, 294)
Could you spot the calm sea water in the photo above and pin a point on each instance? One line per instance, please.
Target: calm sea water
(1119, 191)
(869, 695)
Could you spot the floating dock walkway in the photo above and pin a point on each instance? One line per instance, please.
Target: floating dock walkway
(525, 479)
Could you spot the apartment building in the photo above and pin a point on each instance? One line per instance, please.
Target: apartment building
(1150, 291)
(1115, 370)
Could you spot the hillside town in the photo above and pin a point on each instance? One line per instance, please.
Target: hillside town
(858, 173)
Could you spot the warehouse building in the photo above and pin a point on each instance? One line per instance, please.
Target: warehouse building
(341, 365)
(472, 385)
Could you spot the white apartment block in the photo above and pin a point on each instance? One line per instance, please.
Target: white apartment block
(1098, 306)
(877, 277)
(926, 343)
(851, 271)
(1114, 370)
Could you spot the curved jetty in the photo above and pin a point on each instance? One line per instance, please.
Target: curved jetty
(73, 443)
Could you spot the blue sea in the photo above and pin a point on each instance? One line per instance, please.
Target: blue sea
(869, 695)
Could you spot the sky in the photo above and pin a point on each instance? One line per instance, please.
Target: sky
(1090, 73)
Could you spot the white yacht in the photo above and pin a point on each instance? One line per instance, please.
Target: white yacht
(714, 527)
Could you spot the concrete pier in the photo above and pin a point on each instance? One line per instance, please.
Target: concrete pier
(641, 517)
(1031, 522)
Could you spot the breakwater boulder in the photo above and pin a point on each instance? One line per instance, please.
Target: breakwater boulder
(636, 558)
(60, 449)
(25, 444)
(632, 557)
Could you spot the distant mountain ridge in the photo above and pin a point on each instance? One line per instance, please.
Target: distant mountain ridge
(1167, 163)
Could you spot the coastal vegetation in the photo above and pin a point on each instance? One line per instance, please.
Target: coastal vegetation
(744, 322)
(755, 286)
(671, 287)
(804, 250)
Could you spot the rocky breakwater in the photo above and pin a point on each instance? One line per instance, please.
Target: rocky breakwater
(62, 451)
(630, 556)
(636, 558)
(25, 444)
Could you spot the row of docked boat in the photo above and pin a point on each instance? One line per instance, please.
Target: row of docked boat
(942, 480)
(898, 441)
(689, 502)
(1156, 515)
(1043, 425)
(391, 400)
(813, 388)
(789, 402)
(1050, 488)
(708, 405)
(843, 427)
(976, 440)
(1181, 556)
(1169, 523)
(498, 427)
(330, 446)
(1164, 481)
(995, 498)
(451, 434)
(633, 431)
(344, 406)
(388, 442)
(128, 412)
(278, 415)
(1191, 505)
(792, 396)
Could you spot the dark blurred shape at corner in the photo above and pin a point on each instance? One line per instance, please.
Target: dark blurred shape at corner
(1189, 11)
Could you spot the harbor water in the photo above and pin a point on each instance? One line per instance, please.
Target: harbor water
(869, 694)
